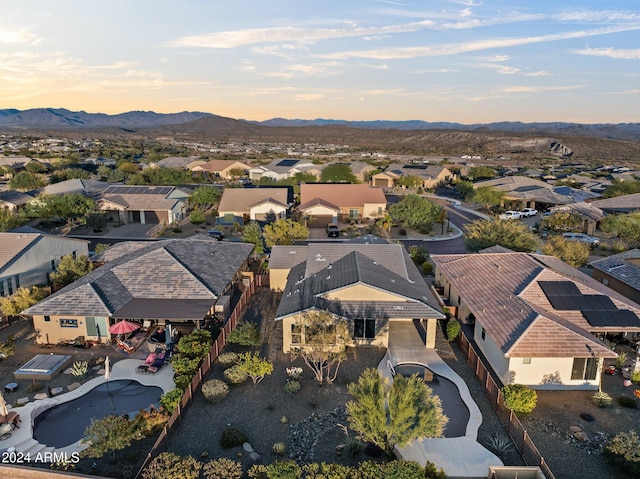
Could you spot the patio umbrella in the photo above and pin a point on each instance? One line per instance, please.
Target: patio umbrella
(123, 327)
(107, 373)
(3, 405)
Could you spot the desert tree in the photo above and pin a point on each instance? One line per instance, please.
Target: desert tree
(573, 253)
(70, 269)
(109, 434)
(284, 231)
(390, 413)
(25, 181)
(338, 173)
(563, 221)
(253, 234)
(487, 197)
(205, 197)
(254, 366)
(625, 226)
(22, 299)
(323, 343)
(414, 210)
(511, 234)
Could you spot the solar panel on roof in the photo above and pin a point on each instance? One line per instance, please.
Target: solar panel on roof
(619, 318)
(559, 288)
(287, 162)
(595, 302)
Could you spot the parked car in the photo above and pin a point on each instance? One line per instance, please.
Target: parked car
(217, 234)
(529, 212)
(333, 231)
(582, 238)
(510, 215)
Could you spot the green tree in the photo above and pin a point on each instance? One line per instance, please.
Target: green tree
(8, 219)
(385, 222)
(237, 172)
(324, 344)
(563, 221)
(101, 248)
(393, 414)
(573, 253)
(245, 334)
(22, 299)
(35, 167)
(253, 234)
(195, 345)
(109, 434)
(196, 217)
(465, 188)
(168, 465)
(487, 196)
(73, 208)
(25, 181)
(621, 188)
(169, 401)
(254, 366)
(511, 234)
(409, 181)
(519, 398)
(623, 452)
(68, 174)
(481, 173)
(625, 226)
(284, 231)
(128, 168)
(70, 269)
(205, 197)
(338, 173)
(414, 210)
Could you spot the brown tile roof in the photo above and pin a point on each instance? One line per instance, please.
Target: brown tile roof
(342, 195)
(215, 166)
(242, 199)
(502, 291)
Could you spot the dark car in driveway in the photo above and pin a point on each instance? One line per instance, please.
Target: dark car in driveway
(217, 234)
(333, 231)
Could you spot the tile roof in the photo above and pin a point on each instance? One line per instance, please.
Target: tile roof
(178, 161)
(242, 199)
(318, 202)
(179, 269)
(215, 166)
(14, 244)
(343, 195)
(88, 187)
(502, 291)
(625, 267)
(588, 210)
(318, 275)
(15, 197)
(521, 187)
(626, 203)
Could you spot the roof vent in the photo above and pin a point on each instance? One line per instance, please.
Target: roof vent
(398, 307)
(393, 280)
(615, 266)
(292, 252)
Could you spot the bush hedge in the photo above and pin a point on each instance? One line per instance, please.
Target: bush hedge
(519, 398)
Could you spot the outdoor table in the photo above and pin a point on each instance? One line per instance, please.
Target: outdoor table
(11, 387)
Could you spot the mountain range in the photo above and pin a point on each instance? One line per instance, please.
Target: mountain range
(55, 118)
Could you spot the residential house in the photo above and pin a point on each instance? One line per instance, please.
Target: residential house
(13, 200)
(90, 188)
(360, 169)
(619, 204)
(324, 203)
(13, 163)
(145, 204)
(240, 205)
(281, 169)
(223, 168)
(536, 320)
(183, 162)
(26, 259)
(100, 161)
(370, 286)
(522, 192)
(178, 281)
(591, 215)
(620, 272)
(430, 175)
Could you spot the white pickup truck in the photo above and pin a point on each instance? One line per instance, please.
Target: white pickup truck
(510, 215)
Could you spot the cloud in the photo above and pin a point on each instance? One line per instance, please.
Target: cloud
(621, 54)
(596, 16)
(540, 73)
(538, 89)
(457, 48)
(18, 37)
(308, 97)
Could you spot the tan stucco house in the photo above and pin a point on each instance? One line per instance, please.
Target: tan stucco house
(430, 175)
(324, 203)
(536, 320)
(144, 204)
(176, 281)
(252, 203)
(370, 286)
(223, 168)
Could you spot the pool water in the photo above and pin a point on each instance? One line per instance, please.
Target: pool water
(452, 404)
(66, 423)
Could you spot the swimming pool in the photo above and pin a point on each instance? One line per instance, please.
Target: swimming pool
(65, 423)
(452, 404)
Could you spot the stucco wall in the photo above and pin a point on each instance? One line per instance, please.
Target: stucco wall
(360, 292)
(278, 279)
(51, 332)
(370, 210)
(541, 374)
(265, 208)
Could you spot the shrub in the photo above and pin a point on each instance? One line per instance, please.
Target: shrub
(227, 360)
(328, 470)
(34, 387)
(294, 373)
(626, 401)
(635, 376)
(169, 401)
(176, 230)
(222, 468)
(453, 329)
(279, 448)
(601, 399)
(168, 465)
(182, 381)
(196, 217)
(147, 423)
(235, 375)
(500, 444)
(284, 420)
(232, 437)
(401, 469)
(432, 472)
(427, 267)
(623, 451)
(279, 470)
(292, 386)
(215, 390)
(402, 232)
(79, 369)
(245, 334)
(618, 247)
(622, 357)
(519, 398)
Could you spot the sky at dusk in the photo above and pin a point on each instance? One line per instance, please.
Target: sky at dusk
(466, 61)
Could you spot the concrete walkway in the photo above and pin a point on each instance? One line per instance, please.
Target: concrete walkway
(22, 438)
(460, 457)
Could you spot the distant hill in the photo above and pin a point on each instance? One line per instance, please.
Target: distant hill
(619, 131)
(53, 118)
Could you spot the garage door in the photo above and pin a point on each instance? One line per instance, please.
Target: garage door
(383, 182)
(155, 217)
(320, 221)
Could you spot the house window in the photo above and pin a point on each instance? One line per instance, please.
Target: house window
(354, 214)
(47, 319)
(526, 360)
(53, 265)
(379, 210)
(584, 368)
(483, 334)
(10, 286)
(68, 323)
(364, 328)
(296, 334)
(17, 281)
(1, 287)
